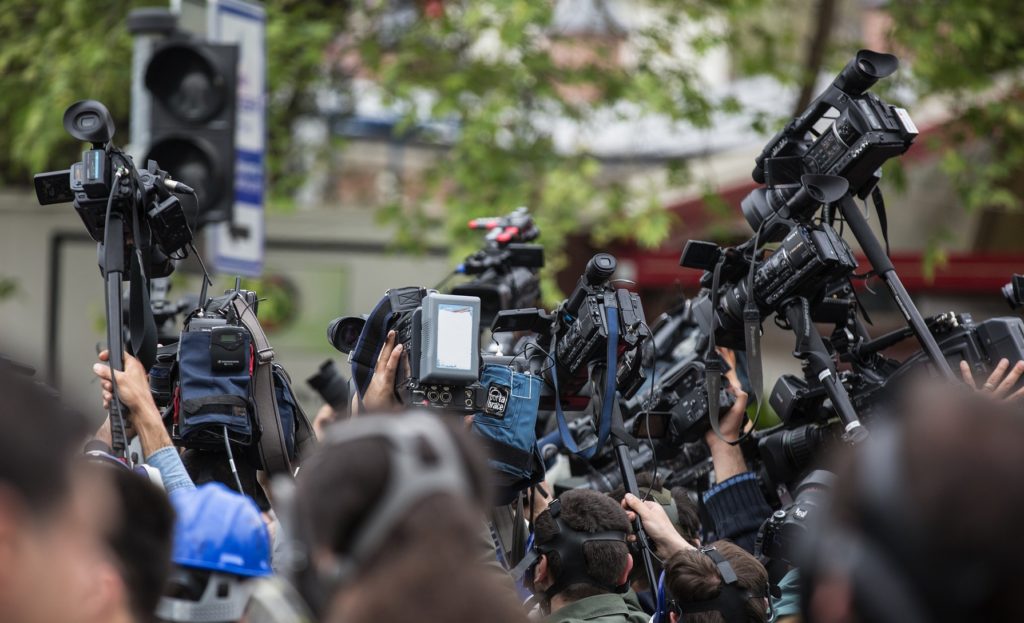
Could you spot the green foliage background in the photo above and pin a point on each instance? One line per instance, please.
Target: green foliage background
(58, 51)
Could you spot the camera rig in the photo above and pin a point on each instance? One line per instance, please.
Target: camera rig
(505, 270)
(853, 145)
(138, 224)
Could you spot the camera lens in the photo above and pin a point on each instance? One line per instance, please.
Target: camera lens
(343, 333)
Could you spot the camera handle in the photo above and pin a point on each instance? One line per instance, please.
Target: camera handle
(811, 349)
(622, 440)
(883, 267)
(112, 250)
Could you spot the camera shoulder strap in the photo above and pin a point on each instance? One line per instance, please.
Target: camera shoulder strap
(272, 450)
(604, 424)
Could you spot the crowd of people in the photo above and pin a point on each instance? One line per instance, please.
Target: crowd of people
(390, 520)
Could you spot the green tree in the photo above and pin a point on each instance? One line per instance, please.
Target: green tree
(502, 100)
(972, 51)
(58, 51)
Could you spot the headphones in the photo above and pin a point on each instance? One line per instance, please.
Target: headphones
(731, 601)
(568, 543)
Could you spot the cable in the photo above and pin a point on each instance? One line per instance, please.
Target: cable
(647, 416)
(231, 461)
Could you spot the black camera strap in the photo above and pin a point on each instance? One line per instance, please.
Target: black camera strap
(142, 326)
(712, 360)
(604, 423)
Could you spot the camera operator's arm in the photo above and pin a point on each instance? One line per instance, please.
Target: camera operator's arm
(144, 416)
(666, 539)
(1000, 382)
(380, 393)
(736, 504)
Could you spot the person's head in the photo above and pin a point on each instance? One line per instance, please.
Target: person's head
(703, 589)
(390, 509)
(136, 520)
(572, 572)
(924, 524)
(48, 541)
(220, 544)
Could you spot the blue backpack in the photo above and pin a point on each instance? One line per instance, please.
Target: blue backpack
(228, 385)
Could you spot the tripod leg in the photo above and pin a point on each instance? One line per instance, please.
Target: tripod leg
(883, 266)
(113, 271)
(811, 348)
(619, 439)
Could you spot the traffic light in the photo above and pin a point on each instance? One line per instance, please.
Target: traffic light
(192, 124)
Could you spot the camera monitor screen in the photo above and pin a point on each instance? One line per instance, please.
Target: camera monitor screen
(450, 336)
(455, 337)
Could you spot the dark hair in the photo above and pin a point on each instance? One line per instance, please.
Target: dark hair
(431, 562)
(585, 510)
(40, 436)
(691, 576)
(141, 542)
(689, 515)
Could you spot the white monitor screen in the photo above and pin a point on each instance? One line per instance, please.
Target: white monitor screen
(455, 337)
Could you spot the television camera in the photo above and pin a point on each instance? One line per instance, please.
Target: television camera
(138, 223)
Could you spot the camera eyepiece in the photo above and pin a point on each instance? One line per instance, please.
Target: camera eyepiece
(867, 68)
(89, 120)
(600, 268)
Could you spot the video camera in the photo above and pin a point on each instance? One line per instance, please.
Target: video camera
(439, 332)
(781, 535)
(139, 226)
(505, 269)
(580, 331)
(106, 182)
(856, 142)
(808, 259)
(331, 386)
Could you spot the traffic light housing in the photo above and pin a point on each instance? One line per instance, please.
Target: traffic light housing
(193, 88)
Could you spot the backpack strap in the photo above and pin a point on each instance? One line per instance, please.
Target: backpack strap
(305, 436)
(272, 450)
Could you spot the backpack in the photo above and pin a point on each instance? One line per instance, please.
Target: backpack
(227, 384)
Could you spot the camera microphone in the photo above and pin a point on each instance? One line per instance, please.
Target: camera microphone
(178, 187)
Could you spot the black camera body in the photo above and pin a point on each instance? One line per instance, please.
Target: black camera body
(809, 258)
(781, 535)
(331, 386)
(679, 397)
(581, 324)
(505, 269)
(106, 178)
(577, 334)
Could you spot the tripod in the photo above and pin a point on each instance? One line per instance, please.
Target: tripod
(811, 349)
(622, 441)
(883, 266)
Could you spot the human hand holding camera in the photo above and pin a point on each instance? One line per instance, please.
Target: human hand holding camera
(133, 390)
(657, 525)
(1000, 383)
(380, 393)
(728, 458)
